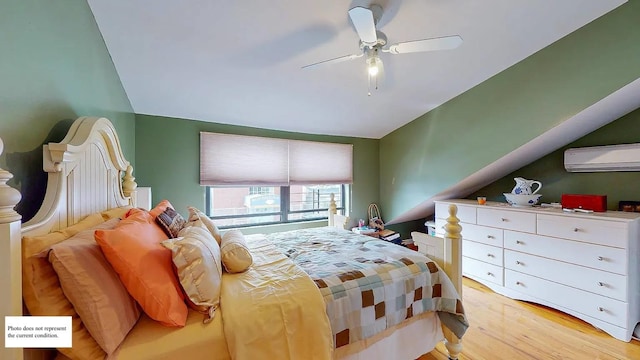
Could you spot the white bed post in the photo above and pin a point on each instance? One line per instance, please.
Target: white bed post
(453, 268)
(333, 209)
(10, 258)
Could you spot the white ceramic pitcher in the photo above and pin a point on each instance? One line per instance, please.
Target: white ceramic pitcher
(523, 186)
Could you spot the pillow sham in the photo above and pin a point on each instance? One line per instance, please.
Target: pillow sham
(93, 287)
(32, 245)
(145, 267)
(171, 222)
(235, 253)
(196, 256)
(195, 215)
(118, 212)
(41, 290)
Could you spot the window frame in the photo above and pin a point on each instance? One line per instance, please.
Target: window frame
(285, 211)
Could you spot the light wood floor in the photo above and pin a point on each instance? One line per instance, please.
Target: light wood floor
(502, 328)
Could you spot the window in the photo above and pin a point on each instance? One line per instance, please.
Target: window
(243, 206)
(254, 180)
(261, 190)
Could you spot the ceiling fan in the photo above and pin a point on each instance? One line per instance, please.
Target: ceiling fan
(373, 41)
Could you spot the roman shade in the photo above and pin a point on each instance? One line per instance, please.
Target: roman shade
(243, 160)
(228, 160)
(312, 162)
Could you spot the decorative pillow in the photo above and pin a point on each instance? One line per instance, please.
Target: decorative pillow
(171, 222)
(144, 266)
(160, 208)
(195, 214)
(196, 255)
(41, 290)
(235, 253)
(93, 287)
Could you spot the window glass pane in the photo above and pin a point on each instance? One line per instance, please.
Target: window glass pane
(248, 221)
(309, 197)
(238, 201)
(255, 205)
(321, 214)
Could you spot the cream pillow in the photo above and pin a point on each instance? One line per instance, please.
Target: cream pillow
(195, 215)
(236, 257)
(196, 255)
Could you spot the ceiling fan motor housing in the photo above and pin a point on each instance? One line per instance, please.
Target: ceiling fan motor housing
(379, 43)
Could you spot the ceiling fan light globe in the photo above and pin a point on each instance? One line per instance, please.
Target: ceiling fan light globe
(373, 70)
(373, 67)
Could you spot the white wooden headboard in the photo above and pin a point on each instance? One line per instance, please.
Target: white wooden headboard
(87, 173)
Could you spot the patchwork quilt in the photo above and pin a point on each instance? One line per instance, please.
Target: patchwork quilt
(369, 284)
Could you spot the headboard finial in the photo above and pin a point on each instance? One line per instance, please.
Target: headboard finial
(128, 182)
(9, 196)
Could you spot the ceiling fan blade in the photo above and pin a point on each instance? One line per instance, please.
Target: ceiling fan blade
(334, 61)
(441, 43)
(363, 21)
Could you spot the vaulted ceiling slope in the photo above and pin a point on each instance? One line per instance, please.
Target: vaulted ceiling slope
(592, 118)
(239, 62)
(576, 85)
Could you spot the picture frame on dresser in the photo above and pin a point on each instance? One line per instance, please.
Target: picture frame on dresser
(584, 264)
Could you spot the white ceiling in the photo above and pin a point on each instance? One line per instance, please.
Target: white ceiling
(239, 62)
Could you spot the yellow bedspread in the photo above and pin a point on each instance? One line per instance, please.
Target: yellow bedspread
(149, 340)
(274, 310)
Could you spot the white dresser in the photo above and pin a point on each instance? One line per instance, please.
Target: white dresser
(583, 264)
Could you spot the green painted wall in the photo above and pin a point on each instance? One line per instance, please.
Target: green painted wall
(497, 116)
(54, 67)
(168, 153)
(557, 181)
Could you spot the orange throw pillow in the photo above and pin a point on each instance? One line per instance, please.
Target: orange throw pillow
(145, 267)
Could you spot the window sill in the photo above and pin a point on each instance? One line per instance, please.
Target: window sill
(268, 229)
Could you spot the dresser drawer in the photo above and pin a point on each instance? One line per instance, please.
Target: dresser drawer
(592, 280)
(482, 252)
(599, 307)
(482, 234)
(595, 256)
(476, 269)
(610, 233)
(465, 213)
(507, 219)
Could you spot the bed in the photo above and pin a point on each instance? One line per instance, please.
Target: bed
(88, 175)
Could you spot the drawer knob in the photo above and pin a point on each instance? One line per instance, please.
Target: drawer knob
(600, 283)
(576, 229)
(490, 237)
(489, 273)
(600, 308)
(503, 219)
(490, 255)
(600, 258)
(518, 263)
(519, 242)
(518, 283)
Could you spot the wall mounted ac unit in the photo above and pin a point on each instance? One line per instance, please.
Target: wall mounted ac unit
(624, 157)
